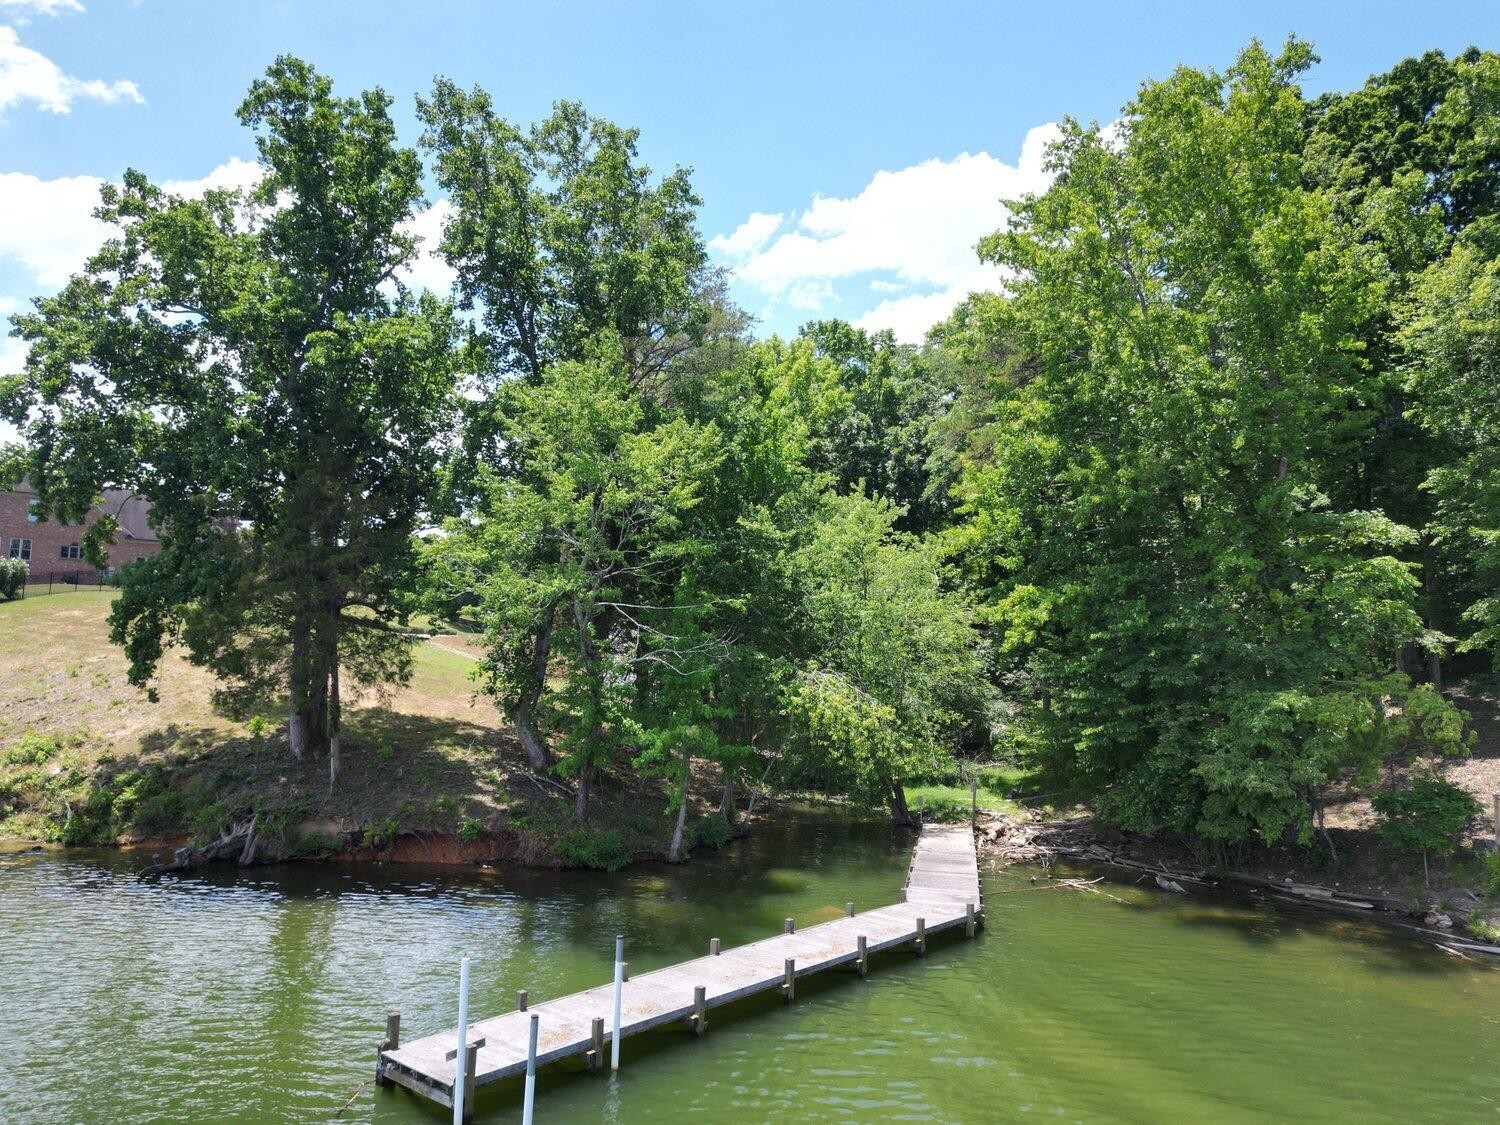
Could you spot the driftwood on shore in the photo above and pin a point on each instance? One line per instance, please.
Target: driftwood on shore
(240, 838)
(1035, 840)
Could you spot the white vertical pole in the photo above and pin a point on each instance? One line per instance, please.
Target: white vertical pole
(529, 1106)
(463, 1042)
(614, 1043)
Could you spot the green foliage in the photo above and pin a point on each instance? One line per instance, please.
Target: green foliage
(1429, 815)
(892, 686)
(469, 830)
(1199, 623)
(32, 750)
(1492, 874)
(588, 847)
(711, 832)
(244, 362)
(13, 575)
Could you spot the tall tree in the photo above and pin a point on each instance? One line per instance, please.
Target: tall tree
(891, 685)
(1201, 632)
(249, 363)
(577, 554)
(1453, 339)
(558, 235)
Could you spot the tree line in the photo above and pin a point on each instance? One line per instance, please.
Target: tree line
(1190, 519)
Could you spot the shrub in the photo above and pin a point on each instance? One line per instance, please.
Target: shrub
(13, 575)
(1430, 815)
(31, 750)
(1492, 874)
(469, 830)
(583, 847)
(711, 832)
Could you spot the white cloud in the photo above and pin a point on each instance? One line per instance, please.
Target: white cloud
(29, 76)
(747, 238)
(429, 271)
(22, 10)
(915, 229)
(48, 226)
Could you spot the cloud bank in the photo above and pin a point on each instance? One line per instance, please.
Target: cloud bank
(902, 248)
(28, 76)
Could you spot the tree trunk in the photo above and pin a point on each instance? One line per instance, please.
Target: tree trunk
(899, 812)
(538, 753)
(581, 799)
(1434, 656)
(334, 710)
(674, 853)
(296, 723)
(727, 807)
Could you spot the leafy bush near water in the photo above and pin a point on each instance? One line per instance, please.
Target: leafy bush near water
(584, 847)
(1428, 816)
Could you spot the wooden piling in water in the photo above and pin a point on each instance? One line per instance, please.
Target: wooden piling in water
(862, 962)
(968, 919)
(848, 910)
(596, 1052)
(713, 947)
(700, 1010)
(789, 980)
(520, 999)
(921, 939)
(790, 927)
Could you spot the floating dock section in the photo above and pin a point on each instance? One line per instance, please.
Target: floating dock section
(941, 893)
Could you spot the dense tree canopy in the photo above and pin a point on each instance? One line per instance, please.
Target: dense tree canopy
(1174, 519)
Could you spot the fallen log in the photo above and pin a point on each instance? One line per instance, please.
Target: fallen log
(241, 837)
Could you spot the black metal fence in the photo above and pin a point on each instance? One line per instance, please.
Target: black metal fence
(69, 581)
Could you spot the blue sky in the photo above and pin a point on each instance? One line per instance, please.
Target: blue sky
(848, 154)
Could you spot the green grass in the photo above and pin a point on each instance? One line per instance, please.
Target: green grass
(941, 801)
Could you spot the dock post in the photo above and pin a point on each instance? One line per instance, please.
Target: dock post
(789, 926)
(921, 939)
(848, 910)
(461, 1056)
(614, 1044)
(625, 971)
(700, 1010)
(392, 1041)
(529, 1106)
(968, 919)
(903, 894)
(862, 962)
(520, 999)
(596, 1052)
(789, 982)
(713, 947)
(471, 1058)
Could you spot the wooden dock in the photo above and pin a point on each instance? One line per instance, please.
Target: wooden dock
(941, 893)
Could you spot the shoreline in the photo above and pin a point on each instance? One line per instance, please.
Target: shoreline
(1075, 840)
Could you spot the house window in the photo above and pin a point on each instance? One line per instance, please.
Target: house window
(33, 511)
(72, 551)
(20, 548)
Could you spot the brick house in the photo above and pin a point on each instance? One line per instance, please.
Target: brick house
(54, 549)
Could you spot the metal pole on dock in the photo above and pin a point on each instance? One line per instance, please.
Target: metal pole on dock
(529, 1107)
(614, 1043)
(461, 1054)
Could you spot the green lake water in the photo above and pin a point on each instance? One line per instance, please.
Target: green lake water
(260, 995)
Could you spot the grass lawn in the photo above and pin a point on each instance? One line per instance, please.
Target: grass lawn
(87, 758)
(951, 802)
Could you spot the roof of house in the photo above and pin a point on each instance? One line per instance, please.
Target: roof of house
(131, 511)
